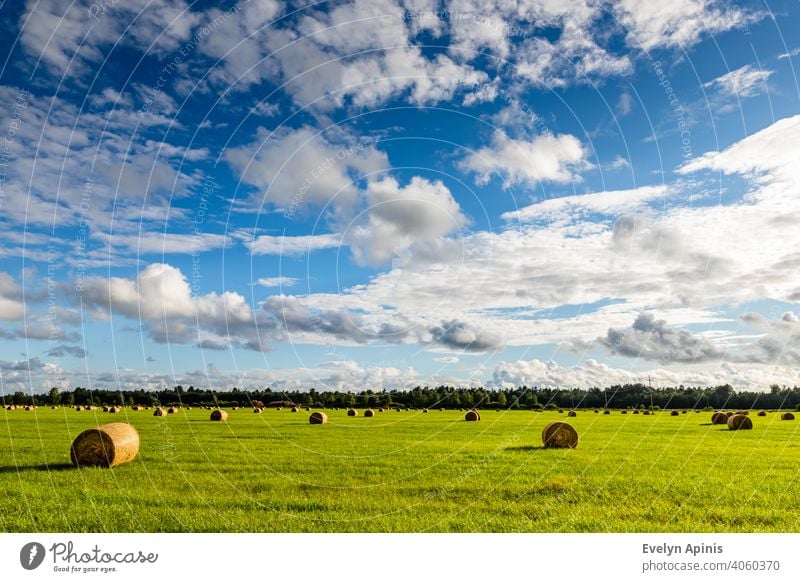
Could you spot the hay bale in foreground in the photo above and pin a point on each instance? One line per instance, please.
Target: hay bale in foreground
(220, 415)
(674, 413)
(369, 413)
(352, 412)
(559, 435)
(572, 414)
(719, 418)
(739, 422)
(318, 418)
(472, 416)
(108, 445)
(762, 413)
(158, 412)
(787, 416)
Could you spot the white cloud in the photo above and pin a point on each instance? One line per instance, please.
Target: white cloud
(399, 216)
(743, 82)
(292, 245)
(680, 23)
(790, 54)
(270, 282)
(447, 360)
(567, 208)
(164, 243)
(544, 158)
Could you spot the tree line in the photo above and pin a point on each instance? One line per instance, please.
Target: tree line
(522, 397)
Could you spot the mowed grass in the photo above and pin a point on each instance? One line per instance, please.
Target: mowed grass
(403, 472)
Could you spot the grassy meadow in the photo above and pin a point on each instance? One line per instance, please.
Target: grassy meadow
(402, 472)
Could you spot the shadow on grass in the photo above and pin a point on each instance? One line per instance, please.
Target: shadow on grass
(44, 468)
(526, 448)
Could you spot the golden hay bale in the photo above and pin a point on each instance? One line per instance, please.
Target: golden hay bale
(276, 408)
(134, 408)
(424, 411)
(745, 412)
(762, 413)
(158, 412)
(740, 422)
(624, 412)
(295, 409)
(79, 408)
(29, 407)
(113, 409)
(257, 411)
(380, 410)
(683, 412)
(787, 416)
(318, 418)
(636, 412)
(646, 413)
(172, 410)
(234, 408)
(369, 413)
(572, 414)
(105, 409)
(719, 418)
(674, 413)
(472, 416)
(219, 415)
(596, 411)
(559, 435)
(108, 445)
(607, 411)
(352, 412)
(8, 407)
(188, 408)
(54, 407)
(90, 407)
(308, 409)
(561, 411)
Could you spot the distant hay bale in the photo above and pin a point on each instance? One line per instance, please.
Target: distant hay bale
(762, 413)
(424, 411)
(220, 415)
(683, 412)
(352, 412)
(697, 411)
(745, 412)
(257, 411)
(29, 407)
(108, 445)
(380, 410)
(636, 412)
(308, 409)
(561, 411)
(78, 408)
(472, 416)
(572, 414)
(397, 410)
(54, 408)
(607, 411)
(158, 412)
(237, 408)
(369, 413)
(276, 408)
(559, 435)
(740, 422)
(8, 407)
(646, 413)
(441, 410)
(188, 408)
(105, 409)
(90, 407)
(624, 412)
(134, 408)
(172, 410)
(674, 413)
(113, 409)
(295, 409)
(318, 418)
(719, 418)
(787, 416)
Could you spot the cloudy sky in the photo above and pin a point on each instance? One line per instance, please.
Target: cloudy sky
(383, 193)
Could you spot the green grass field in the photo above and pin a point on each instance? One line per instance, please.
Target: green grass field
(403, 472)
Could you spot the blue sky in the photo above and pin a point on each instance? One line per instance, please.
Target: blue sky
(345, 195)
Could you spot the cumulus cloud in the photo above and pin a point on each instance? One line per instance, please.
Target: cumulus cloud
(544, 158)
(64, 350)
(652, 339)
(744, 82)
(290, 245)
(464, 336)
(270, 282)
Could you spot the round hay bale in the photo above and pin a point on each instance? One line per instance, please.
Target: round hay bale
(646, 413)
(352, 412)
(624, 412)
(158, 412)
(697, 411)
(237, 408)
(424, 411)
(596, 411)
(369, 413)
(380, 410)
(683, 412)
(295, 409)
(29, 407)
(787, 416)
(105, 409)
(188, 408)
(172, 410)
(113, 409)
(256, 411)
(674, 413)
(745, 412)
(308, 409)
(318, 418)
(719, 418)
(472, 416)
(397, 410)
(220, 415)
(740, 422)
(559, 435)
(78, 408)
(572, 414)
(8, 407)
(279, 408)
(606, 411)
(108, 445)
(441, 410)
(134, 408)
(54, 408)
(636, 412)
(561, 411)
(762, 413)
